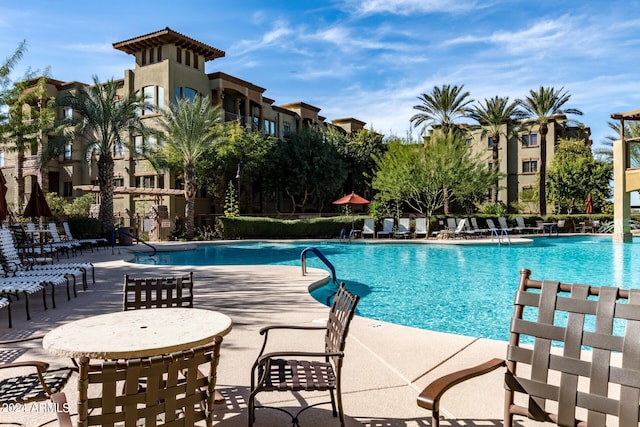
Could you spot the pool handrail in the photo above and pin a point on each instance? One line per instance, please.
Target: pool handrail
(303, 260)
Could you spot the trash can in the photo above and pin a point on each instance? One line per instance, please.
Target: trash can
(125, 236)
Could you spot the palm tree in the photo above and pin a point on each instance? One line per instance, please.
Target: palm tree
(496, 116)
(443, 106)
(104, 117)
(541, 107)
(631, 131)
(187, 131)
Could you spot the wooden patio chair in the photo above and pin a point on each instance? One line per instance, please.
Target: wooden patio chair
(108, 391)
(38, 384)
(157, 292)
(307, 371)
(573, 357)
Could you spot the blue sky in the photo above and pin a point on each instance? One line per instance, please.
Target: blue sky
(368, 59)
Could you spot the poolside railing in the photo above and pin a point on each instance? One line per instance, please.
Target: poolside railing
(303, 260)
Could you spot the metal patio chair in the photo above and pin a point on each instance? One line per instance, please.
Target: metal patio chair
(307, 371)
(157, 292)
(573, 357)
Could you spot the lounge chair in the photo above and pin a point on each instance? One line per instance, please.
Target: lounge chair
(13, 264)
(403, 228)
(523, 228)
(421, 227)
(450, 228)
(477, 231)
(166, 394)
(307, 371)
(66, 245)
(387, 228)
(548, 366)
(84, 242)
(35, 385)
(504, 225)
(459, 230)
(369, 227)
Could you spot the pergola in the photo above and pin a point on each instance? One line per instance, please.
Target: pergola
(136, 191)
(625, 179)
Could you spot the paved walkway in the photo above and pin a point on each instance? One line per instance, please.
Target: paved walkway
(385, 368)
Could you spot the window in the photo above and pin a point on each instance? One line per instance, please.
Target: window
(468, 141)
(138, 144)
(490, 142)
(530, 166)
(67, 112)
(67, 189)
(68, 149)
(159, 53)
(179, 55)
(149, 94)
(118, 149)
(2, 159)
(118, 182)
(528, 193)
(184, 92)
(530, 139)
(195, 60)
(269, 127)
(145, 181)
(490, 166)
(143, 57)
(286, 130)
(187, 58)
(151, 60)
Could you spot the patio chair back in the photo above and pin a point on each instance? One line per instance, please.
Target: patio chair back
(572, 359)
(175, 392)
(368, 228)
(421, 226)
(157, 292)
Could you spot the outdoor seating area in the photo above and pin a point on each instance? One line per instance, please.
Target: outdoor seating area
(380, 362)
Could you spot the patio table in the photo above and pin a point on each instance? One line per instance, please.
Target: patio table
(550, 227)
(136, 333)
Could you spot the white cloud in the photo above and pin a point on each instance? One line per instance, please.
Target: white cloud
(408, 7)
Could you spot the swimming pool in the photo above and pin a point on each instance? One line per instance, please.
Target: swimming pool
(466, 290)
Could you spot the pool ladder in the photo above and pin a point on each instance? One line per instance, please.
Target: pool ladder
(303, 260)
(499, 234)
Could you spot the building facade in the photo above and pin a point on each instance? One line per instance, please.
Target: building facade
(167, 66)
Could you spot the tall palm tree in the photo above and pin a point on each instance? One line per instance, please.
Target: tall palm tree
(631, 131)
(496, 115)
(541, 107)
(443, 107)
(105, 116)
(187, 131)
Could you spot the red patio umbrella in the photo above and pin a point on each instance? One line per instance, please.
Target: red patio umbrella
(351, 200)
(589, 208)
(4, 209)
(37, 205)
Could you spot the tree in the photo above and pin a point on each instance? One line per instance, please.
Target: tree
(105, 116)
(631, 130)
(357, 151)
(574, 174)
(496, 116)
(305, 168)
(541, 107)
(420, 175)
(186, 131)
(442, 107)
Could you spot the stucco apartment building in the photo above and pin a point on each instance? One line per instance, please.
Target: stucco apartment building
(168, 65)
(519, 156)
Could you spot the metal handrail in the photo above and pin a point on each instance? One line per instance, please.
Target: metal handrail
(303, 260)
(113, 240)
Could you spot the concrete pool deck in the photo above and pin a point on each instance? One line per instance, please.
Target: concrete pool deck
(386, 365)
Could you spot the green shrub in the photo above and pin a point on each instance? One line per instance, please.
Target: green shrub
(270, 228)
(85, 228)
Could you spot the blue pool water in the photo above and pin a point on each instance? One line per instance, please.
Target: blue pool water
(465, 290)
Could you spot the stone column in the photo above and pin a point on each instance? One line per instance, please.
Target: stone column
(621, 197)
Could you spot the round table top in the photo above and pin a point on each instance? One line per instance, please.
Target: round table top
(136, 333)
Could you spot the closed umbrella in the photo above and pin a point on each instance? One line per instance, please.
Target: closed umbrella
(37, 205)
(589, 207)
(4, 209)
(351, 200)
